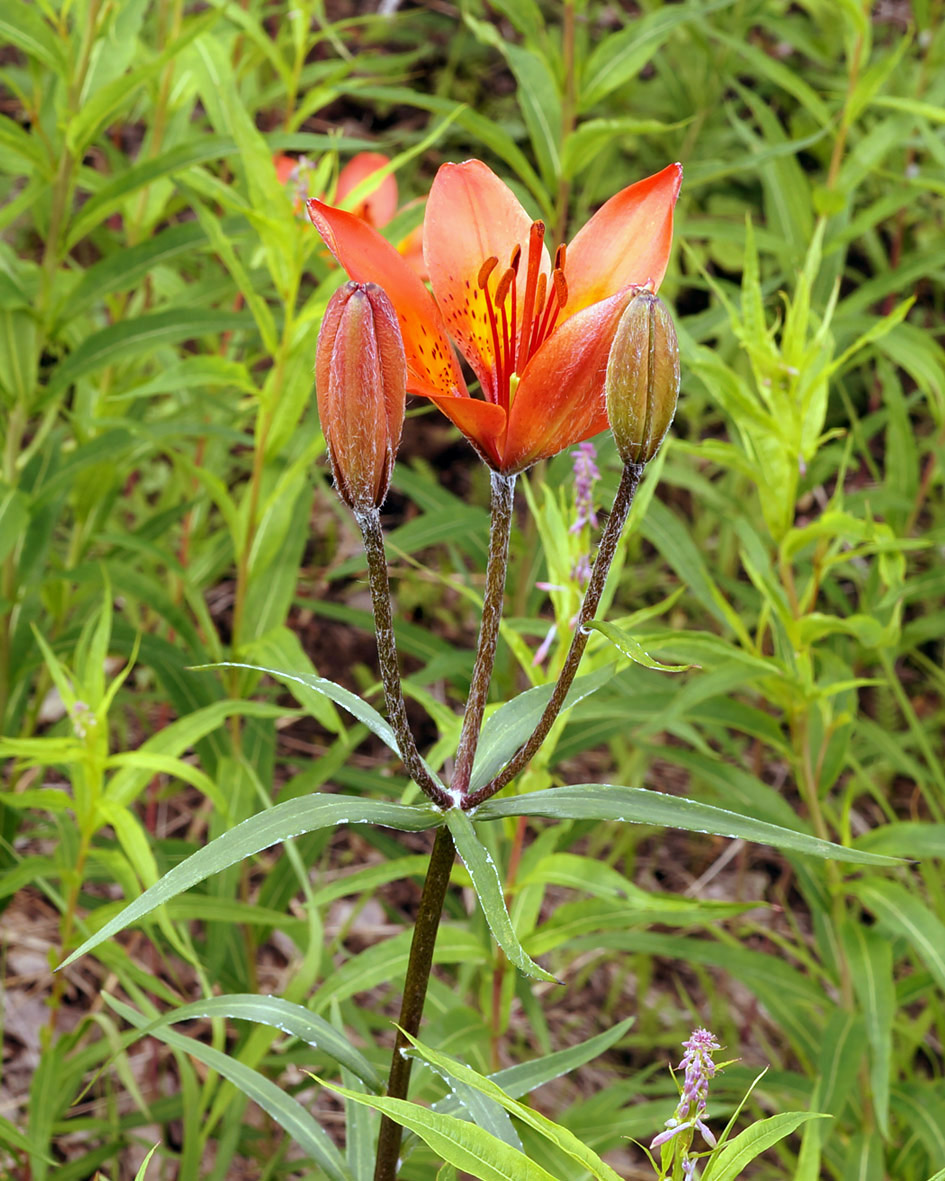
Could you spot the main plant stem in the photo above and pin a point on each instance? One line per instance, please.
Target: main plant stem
(623, 501)
(503, 492)
(370, 523)
(415, 991)
(441, 859)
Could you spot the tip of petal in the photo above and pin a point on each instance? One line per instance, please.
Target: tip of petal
(314, 209)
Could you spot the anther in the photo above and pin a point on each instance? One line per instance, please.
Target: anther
(486, 270)
(560, 256)
(502, 287)
(561, 287)
(515, 259)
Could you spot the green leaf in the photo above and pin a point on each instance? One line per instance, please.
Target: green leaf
(524, 1077)
(290, 819)
(14, 517)
(907, 915)
(731, 1158)
(12, 1137)
(142, 334)
(21, 25)
(291, 1019)
(569, 1144)
(583, 146)
(540, 102)
(121, 270)
(387, 961)
(286, 1111)
(485, 880)
(870, 957)
(110, 197)
(842, 1046)
(865, 1158)
(18, 354)
(632, 648)
(341, 696)
(635, 805)
(512, 723)
(142, 1172)
(137, 768)
(97, 111)
(462, 1144)
(620, 57)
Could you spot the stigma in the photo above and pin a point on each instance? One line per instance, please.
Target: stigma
(518, 333)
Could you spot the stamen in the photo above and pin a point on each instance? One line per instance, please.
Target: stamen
(515, 259)
(542, 285)
(486, 270)
(561, 287)
(503, 365)
(536, 237)
(560, 254)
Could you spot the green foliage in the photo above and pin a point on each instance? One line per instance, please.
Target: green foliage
(168, 543)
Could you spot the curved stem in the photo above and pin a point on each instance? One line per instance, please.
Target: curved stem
(503, 493)
(370, 523)
(629, 481)
(415, 991)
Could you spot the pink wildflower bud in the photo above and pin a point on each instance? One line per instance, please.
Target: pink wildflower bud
(360, 381)
(642, 378)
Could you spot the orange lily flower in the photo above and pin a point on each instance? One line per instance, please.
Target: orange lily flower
(536, 333)
(377, 208)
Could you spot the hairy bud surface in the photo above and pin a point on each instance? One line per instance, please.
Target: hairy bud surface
(360, 382)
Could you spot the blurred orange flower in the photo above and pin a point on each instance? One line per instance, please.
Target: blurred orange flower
(377, 208)
(537, 332)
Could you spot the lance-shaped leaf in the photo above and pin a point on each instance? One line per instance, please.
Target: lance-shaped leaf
(731, 1159)
(512, 724)
(340, 696)
(281, 823)
(632, 647)
(525, 1077)
(283, 1015)
(584, 1158)
(464, 1145)
(485, 880)
(637, 805)
(310, 1136)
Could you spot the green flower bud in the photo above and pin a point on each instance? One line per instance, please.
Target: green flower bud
(360, 381)
(642, 378)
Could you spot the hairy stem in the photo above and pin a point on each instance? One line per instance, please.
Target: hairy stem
(370, 524)
(629, 481)
(415, 991)
(503, 492)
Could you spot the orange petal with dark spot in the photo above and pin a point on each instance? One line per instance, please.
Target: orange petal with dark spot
(472, 216)
(369, 258)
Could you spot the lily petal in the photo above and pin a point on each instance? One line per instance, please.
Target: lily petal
(368, 258)
(627, 241)
(472, 216)
(378, 207)
(560, 399)
(483, 424)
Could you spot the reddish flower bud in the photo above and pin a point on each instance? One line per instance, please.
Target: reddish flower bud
(360, 381)
(642, 378)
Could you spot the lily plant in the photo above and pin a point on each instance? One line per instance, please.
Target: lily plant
(564, 346)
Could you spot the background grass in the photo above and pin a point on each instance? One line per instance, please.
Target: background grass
(164, 504)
